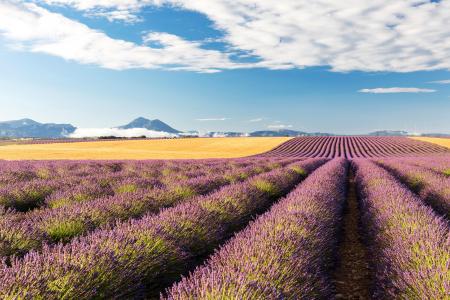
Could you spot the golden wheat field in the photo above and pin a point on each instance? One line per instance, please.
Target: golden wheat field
(439, 141)
(189, 148)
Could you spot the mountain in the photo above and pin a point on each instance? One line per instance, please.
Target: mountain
(287, 132)
(444, 135)
(389, 133)
(155, 125)
(224, 134)
(281, 132)
(27, 128)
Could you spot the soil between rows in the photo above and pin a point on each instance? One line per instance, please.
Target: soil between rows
(352, 274)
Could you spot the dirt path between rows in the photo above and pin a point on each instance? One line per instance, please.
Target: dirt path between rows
(352, 276)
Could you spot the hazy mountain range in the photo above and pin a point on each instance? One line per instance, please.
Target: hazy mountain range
(27, 128)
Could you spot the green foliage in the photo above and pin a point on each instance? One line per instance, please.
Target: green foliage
(82, 197)
(232, 178)
(62, 285)
(127, 188)
(43, 173)
(24, 200)
(166, 172)
(104, 182)
(63, 231)
(259, 170)
(446, 172)
(299, 170)
(59, 202)
(68, 200)
(184, 192)
(17, 243)
(274, 165)
(415, 182)
(266, 187)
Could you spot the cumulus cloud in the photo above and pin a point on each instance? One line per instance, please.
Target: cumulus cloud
(279, 126)
(132, 5)
(32, 28)
(212, 119)
(447, 81)
(383, 35)
(117, 132)
(396, 90)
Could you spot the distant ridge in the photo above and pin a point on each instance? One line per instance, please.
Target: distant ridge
(27, 128)
(287, 132)
(436, 135)
(155, 125)
(389, 133)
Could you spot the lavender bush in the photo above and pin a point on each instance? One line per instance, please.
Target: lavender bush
(284, 254)
(433, 188)
(409, 243)
(23, 232)
(143, 256)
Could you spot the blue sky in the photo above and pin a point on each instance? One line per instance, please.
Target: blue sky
(217, 67)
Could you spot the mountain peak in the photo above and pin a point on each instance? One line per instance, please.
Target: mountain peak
(141, 119)
(27, 120)
(19, 122)
(155, 125)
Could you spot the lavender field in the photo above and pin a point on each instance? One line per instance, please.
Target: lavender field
(315, 218)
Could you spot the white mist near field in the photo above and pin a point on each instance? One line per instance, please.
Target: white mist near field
(118, 132)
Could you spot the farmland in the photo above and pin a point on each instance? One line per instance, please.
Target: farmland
(198, 148)
(312, 218)
(439, 141)
(355, 147)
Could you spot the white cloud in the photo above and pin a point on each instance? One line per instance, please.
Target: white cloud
(279, 126)
(365, 35)
(256, 120)
(212, 119)
(132, 5)
(132, 132)
(396, 90)
(382, 35)
(115, 15)
(31, 28)
(441, 81)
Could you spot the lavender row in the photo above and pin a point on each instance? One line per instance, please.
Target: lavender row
(27, 189)
(165, 178)
(409, 244)
(439, 164)
(12, 171)
(354, 147)
(434, 189)
(285, 253)
(139, 258)
(20, 233)
(23, 171)
(53, 184)
(53, 193)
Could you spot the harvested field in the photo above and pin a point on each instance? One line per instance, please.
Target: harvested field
(438, 141)
(189, 148)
